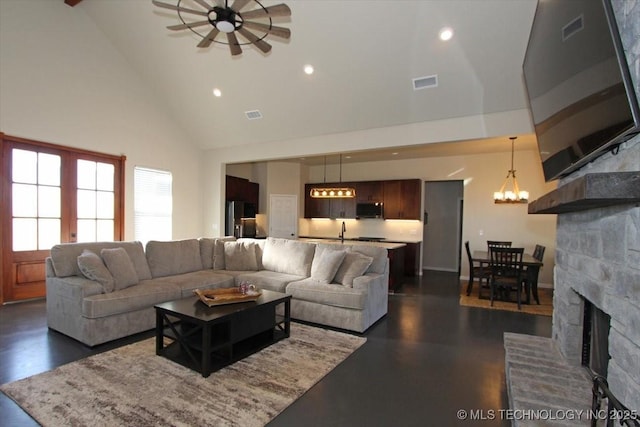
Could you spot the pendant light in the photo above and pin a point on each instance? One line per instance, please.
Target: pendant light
(514, 194)
(339, 192)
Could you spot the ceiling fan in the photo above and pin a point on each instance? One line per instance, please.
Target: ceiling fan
(229, 20)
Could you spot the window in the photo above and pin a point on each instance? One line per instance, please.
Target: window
(36, 207)
(153, 204)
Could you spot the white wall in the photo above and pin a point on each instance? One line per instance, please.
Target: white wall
(62, 82)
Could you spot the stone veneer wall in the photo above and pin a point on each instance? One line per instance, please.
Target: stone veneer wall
(598, 253)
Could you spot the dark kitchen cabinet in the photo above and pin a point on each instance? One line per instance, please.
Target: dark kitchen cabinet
(402, 199)
(369, 192)
(411, 259)
(396, 268)
(243, 190)
(315, 208)
(328, 208)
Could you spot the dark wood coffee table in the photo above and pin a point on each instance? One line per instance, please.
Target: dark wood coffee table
(206, 339)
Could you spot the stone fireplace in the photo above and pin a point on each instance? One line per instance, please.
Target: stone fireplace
(598, 254)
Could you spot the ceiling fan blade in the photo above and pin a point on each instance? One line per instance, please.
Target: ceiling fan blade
(203, 4)
(179, 9)
(189, 25)
(239, 4)
(270, 29)
(208, 39)
(260, 44)
(234, 46)
(276, 10)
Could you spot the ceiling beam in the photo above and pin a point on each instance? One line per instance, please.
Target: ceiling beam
(72, 2)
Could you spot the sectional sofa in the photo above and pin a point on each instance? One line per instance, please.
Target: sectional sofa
(98, 292)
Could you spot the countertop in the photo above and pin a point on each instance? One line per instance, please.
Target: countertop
(381, 244)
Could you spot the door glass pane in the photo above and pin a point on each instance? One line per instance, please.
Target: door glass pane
(25, 200)
(24, 166)
(104, 205)
(48, 233)
(25, 234)
(86, 204)
(87, 230)
(104, 232)
(48, 169)
(86, 174)
(49, 202)
(105, 177)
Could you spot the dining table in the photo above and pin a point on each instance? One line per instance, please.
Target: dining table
(532, 265)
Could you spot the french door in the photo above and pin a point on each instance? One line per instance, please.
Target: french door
(53, 194)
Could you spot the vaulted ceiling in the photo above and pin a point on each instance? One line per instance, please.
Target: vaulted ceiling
(365, 53)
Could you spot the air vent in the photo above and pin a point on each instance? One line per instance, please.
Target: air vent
(253, 115)
(572, 27)
(425, 82)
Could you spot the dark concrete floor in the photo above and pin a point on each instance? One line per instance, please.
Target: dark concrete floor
(426, 360)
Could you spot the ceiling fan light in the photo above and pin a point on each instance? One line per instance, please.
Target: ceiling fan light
(225, 26)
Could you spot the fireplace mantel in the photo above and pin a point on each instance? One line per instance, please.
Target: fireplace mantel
(593, 190)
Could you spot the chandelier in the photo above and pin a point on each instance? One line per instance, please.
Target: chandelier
(327, 192)
(514, 194)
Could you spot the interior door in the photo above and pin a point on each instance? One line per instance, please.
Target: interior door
(442, 236)
(50, 195)
(283, 216)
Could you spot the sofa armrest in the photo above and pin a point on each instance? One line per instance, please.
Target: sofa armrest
(368, 280)
(73, 287)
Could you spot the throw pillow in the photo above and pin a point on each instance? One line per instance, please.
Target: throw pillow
(354, 265)
(240, 256)
(92, 267)
(218, 252)
(325, 264)
(120, 266)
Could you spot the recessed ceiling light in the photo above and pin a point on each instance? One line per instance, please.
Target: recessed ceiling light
(217, 92)
(308, 69)
(395, 153)
(446, 34)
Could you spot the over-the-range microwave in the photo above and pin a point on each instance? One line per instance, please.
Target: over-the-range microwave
(369, 210)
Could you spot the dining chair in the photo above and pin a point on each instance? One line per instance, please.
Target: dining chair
(477, 270)
(530, 276)
(497, 244)
(506, 272)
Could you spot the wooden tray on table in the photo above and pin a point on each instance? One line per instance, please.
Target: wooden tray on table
(222, 296)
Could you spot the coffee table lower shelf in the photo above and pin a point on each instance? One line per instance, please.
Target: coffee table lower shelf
(211, 338)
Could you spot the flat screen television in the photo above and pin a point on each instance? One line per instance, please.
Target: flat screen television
(580, 92)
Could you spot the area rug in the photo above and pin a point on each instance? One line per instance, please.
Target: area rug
(131, 386)
(544, 309)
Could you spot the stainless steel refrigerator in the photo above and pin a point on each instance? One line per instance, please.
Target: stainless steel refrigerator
(240, 219)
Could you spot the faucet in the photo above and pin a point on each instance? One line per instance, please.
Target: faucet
(341, 235)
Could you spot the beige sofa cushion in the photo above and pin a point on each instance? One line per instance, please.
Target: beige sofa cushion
(354, 265)
(326, 262)
(120, 266)
(288, 256)
(240, 256)
(143, 296)
(327, 294)
(173, 257)
(93, 268)
(379, 255)
(266, 279)
(64, 257)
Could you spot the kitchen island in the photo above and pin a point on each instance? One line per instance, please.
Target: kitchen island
(395, 251)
